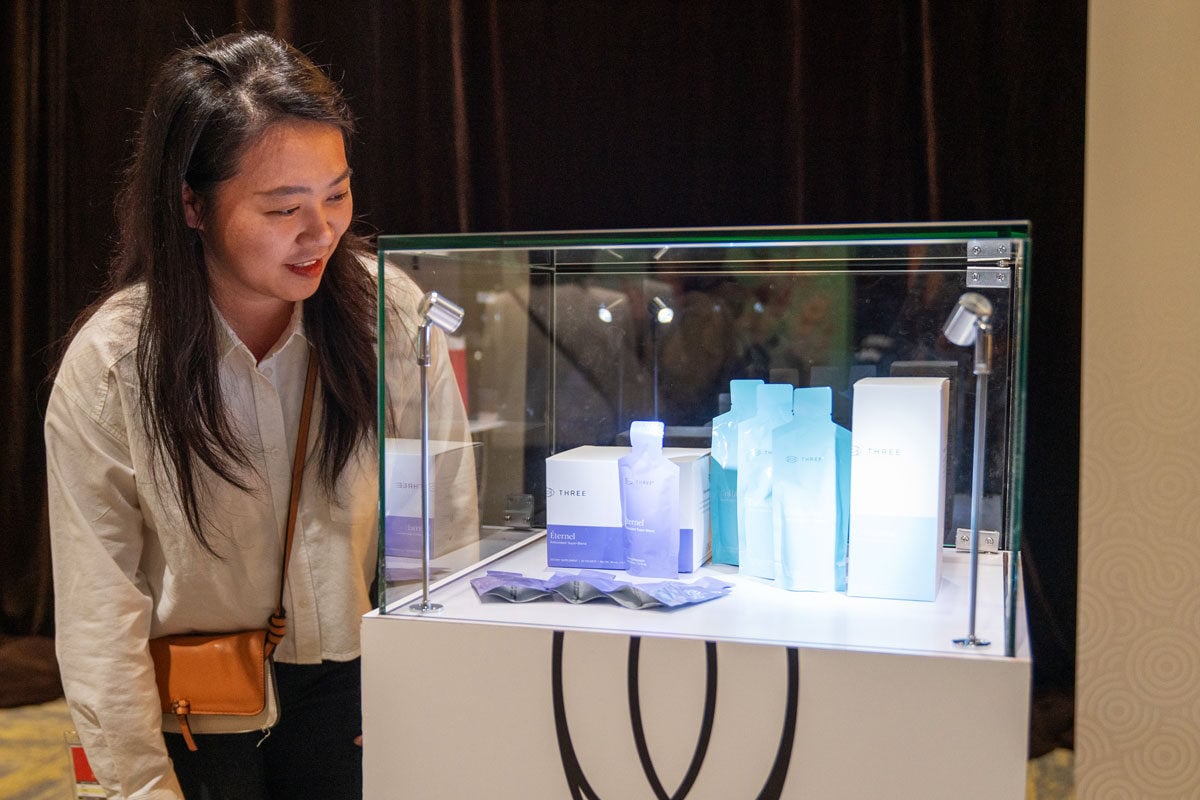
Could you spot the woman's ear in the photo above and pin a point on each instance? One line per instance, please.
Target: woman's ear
(191, 208)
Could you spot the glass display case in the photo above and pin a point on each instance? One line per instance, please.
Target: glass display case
(567, 338)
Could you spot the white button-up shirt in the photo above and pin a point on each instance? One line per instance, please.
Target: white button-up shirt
(126, 565)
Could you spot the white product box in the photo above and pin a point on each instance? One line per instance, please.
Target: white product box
(452, 466)
(897, 487)
(583, 508)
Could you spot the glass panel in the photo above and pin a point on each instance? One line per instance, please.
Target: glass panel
(569, 337)
(664, 344)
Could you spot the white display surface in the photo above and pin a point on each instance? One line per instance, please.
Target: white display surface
(806, 694)
(755, 610)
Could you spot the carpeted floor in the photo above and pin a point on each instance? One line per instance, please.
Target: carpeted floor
(34, 764)
(1051, 777)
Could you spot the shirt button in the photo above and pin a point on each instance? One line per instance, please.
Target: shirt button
(268, 372)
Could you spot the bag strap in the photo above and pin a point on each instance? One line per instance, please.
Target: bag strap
(277, 626)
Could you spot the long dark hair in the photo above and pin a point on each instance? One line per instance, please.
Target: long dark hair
(207, 104)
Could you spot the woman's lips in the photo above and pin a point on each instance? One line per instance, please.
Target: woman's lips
(309, 268)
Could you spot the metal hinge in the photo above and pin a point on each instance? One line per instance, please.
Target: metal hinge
(989, 263)
(518, 511)
(979, 277)
(989, 250)
(989, 541)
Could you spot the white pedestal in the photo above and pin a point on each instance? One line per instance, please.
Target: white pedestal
(763, 693)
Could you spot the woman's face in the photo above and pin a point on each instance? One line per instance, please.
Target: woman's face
(269, 230)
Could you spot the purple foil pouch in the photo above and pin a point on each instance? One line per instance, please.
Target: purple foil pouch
(583, 586)
(677, 593)
(650, 504)
(590, 585)
(511, 586)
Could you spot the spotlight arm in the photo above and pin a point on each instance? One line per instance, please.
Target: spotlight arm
(434, 311)
(971, 323)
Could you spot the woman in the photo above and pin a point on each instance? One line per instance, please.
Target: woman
(173, 418)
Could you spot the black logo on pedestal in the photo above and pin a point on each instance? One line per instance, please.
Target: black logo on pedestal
(577, 782)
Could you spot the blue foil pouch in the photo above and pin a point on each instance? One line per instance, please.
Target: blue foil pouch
(811, 495)
(755, 511)
(724, 470)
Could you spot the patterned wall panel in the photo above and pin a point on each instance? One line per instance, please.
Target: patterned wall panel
(1138, 682)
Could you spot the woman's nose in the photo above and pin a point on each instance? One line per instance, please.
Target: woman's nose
(318, 229)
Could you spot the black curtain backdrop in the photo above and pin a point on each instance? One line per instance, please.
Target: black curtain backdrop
(481, 115)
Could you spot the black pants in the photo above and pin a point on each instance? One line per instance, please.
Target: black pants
(310, 752)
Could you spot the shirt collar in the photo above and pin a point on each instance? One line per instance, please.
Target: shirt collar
(228, 341)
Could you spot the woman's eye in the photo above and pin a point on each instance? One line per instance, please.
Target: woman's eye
(287, 212)
(337, 198)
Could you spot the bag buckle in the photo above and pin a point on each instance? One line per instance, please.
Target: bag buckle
(182, 708)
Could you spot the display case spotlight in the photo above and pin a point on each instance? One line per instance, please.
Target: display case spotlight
(435, 311)
(440, 312)
(962, 326)
(662, 312)
(970, 323)
(605, 311)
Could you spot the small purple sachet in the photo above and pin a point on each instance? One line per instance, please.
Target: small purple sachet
(511, 586)
(587, 585)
